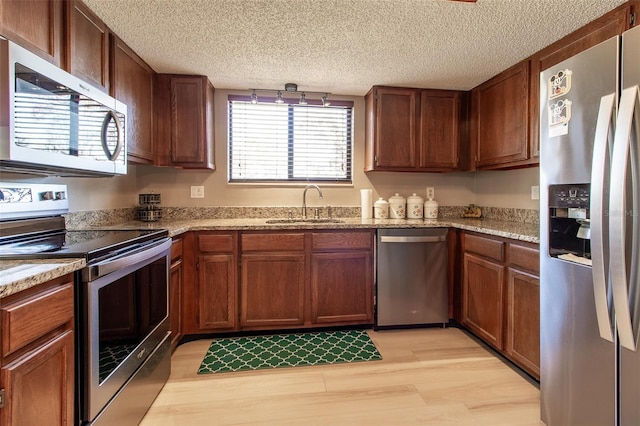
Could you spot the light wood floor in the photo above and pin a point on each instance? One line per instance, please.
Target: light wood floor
(427, 377)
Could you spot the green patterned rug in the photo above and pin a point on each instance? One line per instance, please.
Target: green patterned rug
(288, 350)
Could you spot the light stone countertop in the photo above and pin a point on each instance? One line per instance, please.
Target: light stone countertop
(17, 275)
(515, 230)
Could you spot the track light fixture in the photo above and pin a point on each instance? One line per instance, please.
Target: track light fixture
(291, 88)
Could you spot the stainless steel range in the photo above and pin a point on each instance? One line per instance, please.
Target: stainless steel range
(122, 325)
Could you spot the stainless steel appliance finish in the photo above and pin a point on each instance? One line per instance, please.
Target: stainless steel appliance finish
(412, 277)
(53, 123)
(590, 299)
(121, 306)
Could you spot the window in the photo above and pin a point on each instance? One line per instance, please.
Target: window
(287, 142)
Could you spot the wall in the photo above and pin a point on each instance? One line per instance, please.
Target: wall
(495, 189)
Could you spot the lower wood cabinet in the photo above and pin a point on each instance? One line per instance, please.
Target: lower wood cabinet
(523, 320)
(342, 277)
(483, 298)
(37, 345)
(269, 280)
(176, 273)
(272, 289)
(501, 296)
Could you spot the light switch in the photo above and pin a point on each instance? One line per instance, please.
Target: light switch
(535, 192)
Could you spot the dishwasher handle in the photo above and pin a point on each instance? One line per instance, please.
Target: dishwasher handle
(412, 239)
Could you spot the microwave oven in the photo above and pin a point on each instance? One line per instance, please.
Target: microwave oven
(53, 123)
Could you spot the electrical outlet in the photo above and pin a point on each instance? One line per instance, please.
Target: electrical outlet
(535, 192)
(431, 193)
(197, 192)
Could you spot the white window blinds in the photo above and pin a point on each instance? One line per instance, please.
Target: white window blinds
(289, 142)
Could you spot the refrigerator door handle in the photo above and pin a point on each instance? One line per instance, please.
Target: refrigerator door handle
(623, 239)
(600, 173)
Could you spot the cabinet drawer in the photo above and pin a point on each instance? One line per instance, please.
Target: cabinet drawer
(176, 249)
(486, 247)
(341, 240)
(23, 321)
(273, 242)
(219, 243)
(524, 257)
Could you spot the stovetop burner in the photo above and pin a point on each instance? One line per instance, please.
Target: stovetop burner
(87, 244)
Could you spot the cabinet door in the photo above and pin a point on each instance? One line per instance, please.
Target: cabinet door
(87, 45)
(216, 291)
(341, 287)
(36, 25)
(272, 289)
(523, 320)
(175, 301)
(501, 113)
(192, 122)
(132, 84)
(395, 131)
(438, 142)
(482, 286)
(39, 386)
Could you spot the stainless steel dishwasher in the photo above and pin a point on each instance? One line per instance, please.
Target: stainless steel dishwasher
(412, 277)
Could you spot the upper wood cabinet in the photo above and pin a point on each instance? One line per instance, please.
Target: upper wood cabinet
(87, 45)
(438, 142)
(611, 24)
(184, 121)
(132, 84)
(412, 129)
(37, 25)
(500, 120)
(391, 128)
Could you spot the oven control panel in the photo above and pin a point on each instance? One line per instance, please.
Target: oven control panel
(22, 200)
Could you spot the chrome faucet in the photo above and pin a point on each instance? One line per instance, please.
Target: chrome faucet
(304, 199)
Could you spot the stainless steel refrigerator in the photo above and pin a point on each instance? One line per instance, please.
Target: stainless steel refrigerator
(590, 236)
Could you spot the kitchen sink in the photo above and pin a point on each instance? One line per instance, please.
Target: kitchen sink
(326, 220)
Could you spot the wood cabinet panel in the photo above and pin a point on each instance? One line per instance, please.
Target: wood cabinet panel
(39, 386)
(483, 298)
(220, 243)
(37, 25)
(501, 118)
(439, 122)
(341, 240)
(487, 247)
(38, 355)
(176, 278)
(274, 241)
(27, 319)
(87, 45)
(341, 287)
(392, 128)
(184, 121)
(132, 84)
(523, 320)
(217, 291)
(272, 289)
(524, 257)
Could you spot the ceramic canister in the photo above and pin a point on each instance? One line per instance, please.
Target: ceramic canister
(415, 204)
(381, 209)
(430, 209)
(397, 207)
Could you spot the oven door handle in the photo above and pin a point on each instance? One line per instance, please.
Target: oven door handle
(124, 260)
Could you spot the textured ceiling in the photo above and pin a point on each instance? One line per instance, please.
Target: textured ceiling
(342, 46)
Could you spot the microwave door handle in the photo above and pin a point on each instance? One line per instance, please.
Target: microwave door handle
(111, 115)
(625, 277)
(599, 242)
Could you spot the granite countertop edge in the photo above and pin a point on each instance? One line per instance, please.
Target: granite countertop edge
(18, 275)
